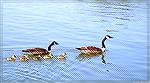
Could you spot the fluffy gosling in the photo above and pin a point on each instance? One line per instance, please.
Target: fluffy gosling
(49, 56)
(24, 58)
(63, 56)
(12, 58)
(37, 58)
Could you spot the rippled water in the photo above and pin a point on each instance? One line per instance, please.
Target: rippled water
(75, 24)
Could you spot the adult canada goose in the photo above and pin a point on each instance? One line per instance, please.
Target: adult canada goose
(93, 49)
(24, 58)
(40, 51)
(63, 56)
(12, 58)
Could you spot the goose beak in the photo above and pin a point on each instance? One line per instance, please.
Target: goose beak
(111, 37)
(56, 43)
(108, 37)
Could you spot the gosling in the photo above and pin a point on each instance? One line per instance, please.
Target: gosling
(49, 56)
(12, 58)
(24, 58)
(37, 58)
(63, 56)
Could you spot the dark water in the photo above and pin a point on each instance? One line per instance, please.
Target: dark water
(75, 24)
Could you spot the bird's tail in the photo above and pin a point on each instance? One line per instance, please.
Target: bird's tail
(25, 51)
(78, 48)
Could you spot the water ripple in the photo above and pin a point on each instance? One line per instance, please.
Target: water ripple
(29, 25)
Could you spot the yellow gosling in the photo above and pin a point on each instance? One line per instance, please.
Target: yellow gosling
(37, 58)
(12, 58)
(63, 56)
(49, 56)
(24, 58)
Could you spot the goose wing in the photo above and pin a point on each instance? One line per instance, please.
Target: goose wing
(36, 51)
(90, 49)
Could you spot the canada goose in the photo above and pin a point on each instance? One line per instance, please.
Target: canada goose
(49, 56)
(37, 58)
(40, 51)
(93, 49)
(12, 58)
(24, 58)
(63, 56)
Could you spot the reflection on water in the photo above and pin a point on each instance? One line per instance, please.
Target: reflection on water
(84, 56)
(103, 60)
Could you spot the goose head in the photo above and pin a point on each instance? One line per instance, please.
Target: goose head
(108, 37)
(103, 44)
(53, 43)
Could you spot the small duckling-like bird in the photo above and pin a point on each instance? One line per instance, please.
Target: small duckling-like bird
(37, 58)
(63, 56)
(93, 49)
(12, 58)
(49, 56)
(24, 58)
(40, 51)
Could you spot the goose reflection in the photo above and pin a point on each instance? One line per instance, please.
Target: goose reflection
(87, 56)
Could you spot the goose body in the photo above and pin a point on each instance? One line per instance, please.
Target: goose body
(90, 49)
(40, 51)
(12, 58)
(93, 49)
(36, 51)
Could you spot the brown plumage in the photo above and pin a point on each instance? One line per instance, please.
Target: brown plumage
(40, 51)
(90, 49)
(36, 51)
(93, 49)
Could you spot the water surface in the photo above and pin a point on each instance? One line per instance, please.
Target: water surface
(29, 25)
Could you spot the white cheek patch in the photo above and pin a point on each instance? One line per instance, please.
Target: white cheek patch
(107, 37)
(103, 49)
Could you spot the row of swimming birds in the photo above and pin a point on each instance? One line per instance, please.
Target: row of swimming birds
(26, 57)
(39, 53)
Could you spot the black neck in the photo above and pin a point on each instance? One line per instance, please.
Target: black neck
(49, 47)
(103, 44)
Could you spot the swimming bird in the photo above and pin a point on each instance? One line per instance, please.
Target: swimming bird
(12, 58)
(93, 49)
(24, 58)
(37, 58)
(63, 56)
(40, 51)
(49, 56)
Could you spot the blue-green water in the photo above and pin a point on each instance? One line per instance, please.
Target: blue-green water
(75, 24)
